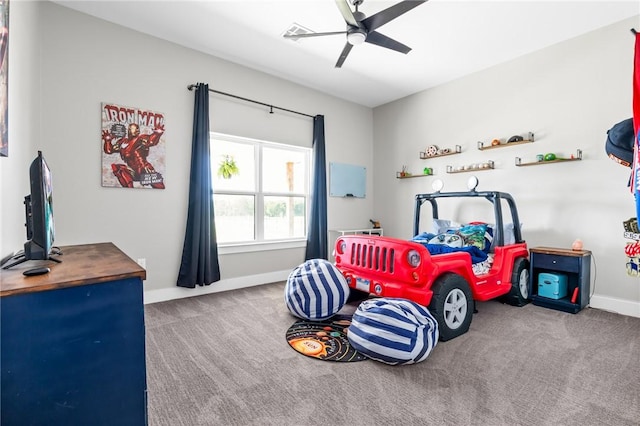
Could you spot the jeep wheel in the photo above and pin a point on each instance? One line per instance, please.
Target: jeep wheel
(519, 294)
(451, 305)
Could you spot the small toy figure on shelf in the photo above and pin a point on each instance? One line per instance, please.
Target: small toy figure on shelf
(404, 172)
(431, 150)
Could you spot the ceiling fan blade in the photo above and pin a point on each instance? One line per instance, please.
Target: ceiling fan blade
(346, 12)
(382, 40)
(384, 16)
(343, 55)
(297, 36)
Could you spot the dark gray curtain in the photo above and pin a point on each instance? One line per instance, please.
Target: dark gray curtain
(317, 232)
(200, 251)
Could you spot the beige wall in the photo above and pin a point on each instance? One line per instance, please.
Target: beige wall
(84, 62)
(568, 95)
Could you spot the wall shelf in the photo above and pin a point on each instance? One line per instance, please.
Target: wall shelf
(399, 176)
(529, 139)
(425, 156)
(578, 157)
(488, 165)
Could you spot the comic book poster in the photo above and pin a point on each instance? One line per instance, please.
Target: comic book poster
(4, 75)
(632, 248)
(133, 147)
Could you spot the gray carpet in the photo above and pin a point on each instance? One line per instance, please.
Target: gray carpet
(222, 359)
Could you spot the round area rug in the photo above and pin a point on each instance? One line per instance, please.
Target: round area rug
(325, 340)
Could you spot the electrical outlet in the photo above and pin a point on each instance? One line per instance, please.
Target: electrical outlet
(142, 263)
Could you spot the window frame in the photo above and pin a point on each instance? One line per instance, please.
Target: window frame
(259, 243)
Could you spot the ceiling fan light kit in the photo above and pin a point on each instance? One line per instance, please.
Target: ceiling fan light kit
(356, 37)
(361, 28)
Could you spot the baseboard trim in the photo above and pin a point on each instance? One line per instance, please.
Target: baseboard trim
(613, 304)
(155, 296)
(620, 306)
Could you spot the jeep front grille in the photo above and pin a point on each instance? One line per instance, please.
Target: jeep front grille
(372, 257)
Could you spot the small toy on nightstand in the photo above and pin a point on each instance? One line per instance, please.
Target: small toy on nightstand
(577, 245)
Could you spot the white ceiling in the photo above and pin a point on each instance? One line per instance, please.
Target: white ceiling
(449, 38)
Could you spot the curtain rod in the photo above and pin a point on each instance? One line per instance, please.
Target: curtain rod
(271, 107)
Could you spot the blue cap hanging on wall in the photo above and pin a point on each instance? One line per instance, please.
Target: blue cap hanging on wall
(620, 141)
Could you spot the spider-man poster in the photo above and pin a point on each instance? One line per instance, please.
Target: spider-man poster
(133, 147)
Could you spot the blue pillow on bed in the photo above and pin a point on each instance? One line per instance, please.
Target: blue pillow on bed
(423, 238)
(488, 236)
(478, 234)
(474, 235)
(477, 255)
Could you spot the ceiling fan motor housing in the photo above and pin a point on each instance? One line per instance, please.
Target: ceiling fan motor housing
(359, 16)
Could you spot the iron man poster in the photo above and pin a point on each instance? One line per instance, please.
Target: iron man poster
(133, 147)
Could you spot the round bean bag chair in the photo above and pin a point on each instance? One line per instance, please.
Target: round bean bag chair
(393, 331)
(316, 290)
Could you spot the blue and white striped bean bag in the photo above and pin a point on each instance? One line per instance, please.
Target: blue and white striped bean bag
(393, 331)
(316, 290)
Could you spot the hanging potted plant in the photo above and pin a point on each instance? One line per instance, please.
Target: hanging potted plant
(228, 167)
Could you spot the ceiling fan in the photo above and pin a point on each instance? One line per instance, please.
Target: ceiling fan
(361, 28)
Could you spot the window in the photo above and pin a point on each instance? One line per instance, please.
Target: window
(260, 190)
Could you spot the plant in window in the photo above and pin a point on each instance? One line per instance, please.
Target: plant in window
(228, 167)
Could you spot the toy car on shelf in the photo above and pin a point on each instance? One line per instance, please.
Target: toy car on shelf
(447, 282)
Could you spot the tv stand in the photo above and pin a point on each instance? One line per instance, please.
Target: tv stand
(21, 258)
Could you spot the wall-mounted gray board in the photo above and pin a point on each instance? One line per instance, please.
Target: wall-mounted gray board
(347, 180)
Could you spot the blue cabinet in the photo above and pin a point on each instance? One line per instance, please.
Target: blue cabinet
(73, 350)
(574, 264)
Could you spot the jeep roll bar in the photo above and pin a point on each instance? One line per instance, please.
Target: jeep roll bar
(493, 197)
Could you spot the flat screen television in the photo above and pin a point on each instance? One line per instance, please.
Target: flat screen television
(38, 206)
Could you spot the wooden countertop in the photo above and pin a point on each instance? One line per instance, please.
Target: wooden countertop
(81, 265)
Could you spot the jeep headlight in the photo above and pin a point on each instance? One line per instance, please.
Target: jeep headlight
(413, 258)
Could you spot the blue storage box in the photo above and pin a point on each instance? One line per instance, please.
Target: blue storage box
(553, 286)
